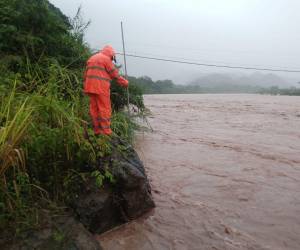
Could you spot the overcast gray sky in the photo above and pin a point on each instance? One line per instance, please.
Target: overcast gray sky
(261, 33)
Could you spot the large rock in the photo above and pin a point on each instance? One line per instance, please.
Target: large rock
(62, 234)
(100, 209)
(132, 187)
(96, 208)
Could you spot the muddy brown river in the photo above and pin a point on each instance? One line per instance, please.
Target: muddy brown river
(224, 171)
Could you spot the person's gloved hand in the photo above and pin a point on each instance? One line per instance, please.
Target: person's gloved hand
(123, 82)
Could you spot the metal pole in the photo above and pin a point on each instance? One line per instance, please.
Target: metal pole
(126, 76)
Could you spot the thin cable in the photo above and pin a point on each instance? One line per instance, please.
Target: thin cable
(211, 65)
(186, 59)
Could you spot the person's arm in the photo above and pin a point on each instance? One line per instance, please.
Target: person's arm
(114, 74)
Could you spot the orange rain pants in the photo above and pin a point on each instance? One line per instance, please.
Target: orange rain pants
(100, 111)
(99, 72)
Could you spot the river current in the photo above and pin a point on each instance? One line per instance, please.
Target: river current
(224, 171)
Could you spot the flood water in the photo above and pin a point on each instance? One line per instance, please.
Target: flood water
(224, 171)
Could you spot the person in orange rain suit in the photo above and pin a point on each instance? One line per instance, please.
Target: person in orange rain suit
(100, 70)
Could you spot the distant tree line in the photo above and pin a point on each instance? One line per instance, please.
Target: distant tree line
(279, 91)
(150, 86)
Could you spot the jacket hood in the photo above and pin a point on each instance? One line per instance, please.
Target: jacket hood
(108, 51)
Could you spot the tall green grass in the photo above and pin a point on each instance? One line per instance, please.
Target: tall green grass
(14, 122)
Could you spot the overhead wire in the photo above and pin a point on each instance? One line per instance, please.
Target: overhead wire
(189, 59)
(211, 65)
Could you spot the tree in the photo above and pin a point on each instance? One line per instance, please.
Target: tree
(31, 29)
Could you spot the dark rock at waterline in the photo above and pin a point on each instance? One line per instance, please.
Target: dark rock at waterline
(96, 208)
(133, 188)
(63, 233)
(128, 198)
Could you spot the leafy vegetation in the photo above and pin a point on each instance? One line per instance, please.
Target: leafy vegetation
(47, 146)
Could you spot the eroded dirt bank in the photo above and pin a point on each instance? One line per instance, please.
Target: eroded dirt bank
(225, 174)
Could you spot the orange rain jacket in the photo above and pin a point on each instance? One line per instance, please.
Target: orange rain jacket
(100, 71)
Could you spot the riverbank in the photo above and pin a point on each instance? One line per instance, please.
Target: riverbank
(93, 208)
(224, 171)
(51, 163)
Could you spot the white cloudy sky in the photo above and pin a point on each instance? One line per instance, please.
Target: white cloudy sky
(261, 33)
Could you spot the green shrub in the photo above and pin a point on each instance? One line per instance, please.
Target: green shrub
(119, 96)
